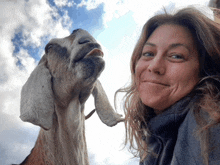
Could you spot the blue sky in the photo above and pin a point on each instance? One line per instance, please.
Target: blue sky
(26, 26)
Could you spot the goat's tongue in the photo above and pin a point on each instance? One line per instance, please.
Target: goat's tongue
(95, 52)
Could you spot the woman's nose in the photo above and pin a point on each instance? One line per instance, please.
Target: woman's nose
(157, 65)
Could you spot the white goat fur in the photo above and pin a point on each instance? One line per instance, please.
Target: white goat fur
(54, 97)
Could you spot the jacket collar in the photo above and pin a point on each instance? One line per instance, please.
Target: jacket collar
(166, 124)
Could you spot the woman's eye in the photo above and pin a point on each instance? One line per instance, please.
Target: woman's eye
(178, 57)
(148, 54)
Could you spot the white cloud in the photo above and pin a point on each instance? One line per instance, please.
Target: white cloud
(112, 9)
(62, 3)
(142, 9)
(41, 23)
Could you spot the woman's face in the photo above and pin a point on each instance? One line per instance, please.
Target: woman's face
(168, 69)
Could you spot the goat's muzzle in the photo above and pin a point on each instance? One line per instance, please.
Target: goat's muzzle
(95, 53)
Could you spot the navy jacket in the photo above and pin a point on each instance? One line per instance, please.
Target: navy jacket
(172, 137)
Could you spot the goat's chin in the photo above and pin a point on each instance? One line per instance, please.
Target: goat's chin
(90, 67)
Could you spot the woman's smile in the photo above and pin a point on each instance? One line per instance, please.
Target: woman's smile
(154, 82)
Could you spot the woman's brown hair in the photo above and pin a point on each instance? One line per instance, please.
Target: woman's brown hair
(207, 36)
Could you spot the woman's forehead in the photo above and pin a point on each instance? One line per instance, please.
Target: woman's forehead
(171, 35)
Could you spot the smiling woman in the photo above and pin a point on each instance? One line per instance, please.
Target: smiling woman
(172, 107)
(168, 68)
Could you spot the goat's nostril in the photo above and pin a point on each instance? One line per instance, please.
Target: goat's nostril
(83, 40)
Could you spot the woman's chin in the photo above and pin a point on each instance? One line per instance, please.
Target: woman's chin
(159, 105)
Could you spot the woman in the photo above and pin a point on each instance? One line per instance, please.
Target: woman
(172, 107)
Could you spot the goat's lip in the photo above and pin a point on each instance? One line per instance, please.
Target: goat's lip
(95, 53)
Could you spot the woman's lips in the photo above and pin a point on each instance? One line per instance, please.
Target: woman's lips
(155, 82)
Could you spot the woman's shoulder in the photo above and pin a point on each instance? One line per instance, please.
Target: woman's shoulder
(189, 143)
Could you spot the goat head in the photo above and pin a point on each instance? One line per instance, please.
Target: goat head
(68, 70)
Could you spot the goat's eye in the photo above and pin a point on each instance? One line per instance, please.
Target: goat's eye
(48, 47)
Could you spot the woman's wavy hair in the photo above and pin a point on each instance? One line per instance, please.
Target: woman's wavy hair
(207, 37)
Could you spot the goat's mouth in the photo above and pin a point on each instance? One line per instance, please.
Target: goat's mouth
(95, 53)
(91, 50)
(89, 62)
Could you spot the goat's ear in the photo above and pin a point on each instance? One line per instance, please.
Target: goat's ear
(37, 100)
(103, 108)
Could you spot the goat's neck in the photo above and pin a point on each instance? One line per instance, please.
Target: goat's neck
(65, 142)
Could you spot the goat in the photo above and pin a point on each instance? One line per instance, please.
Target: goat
(54, 97)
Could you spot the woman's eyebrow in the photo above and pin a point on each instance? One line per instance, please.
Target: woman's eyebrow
(178, 45)
(170, 46)
(149, 44)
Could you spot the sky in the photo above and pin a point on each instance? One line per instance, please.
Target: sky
(26, 26)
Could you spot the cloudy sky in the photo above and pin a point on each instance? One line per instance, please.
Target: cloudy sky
(26, 26)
